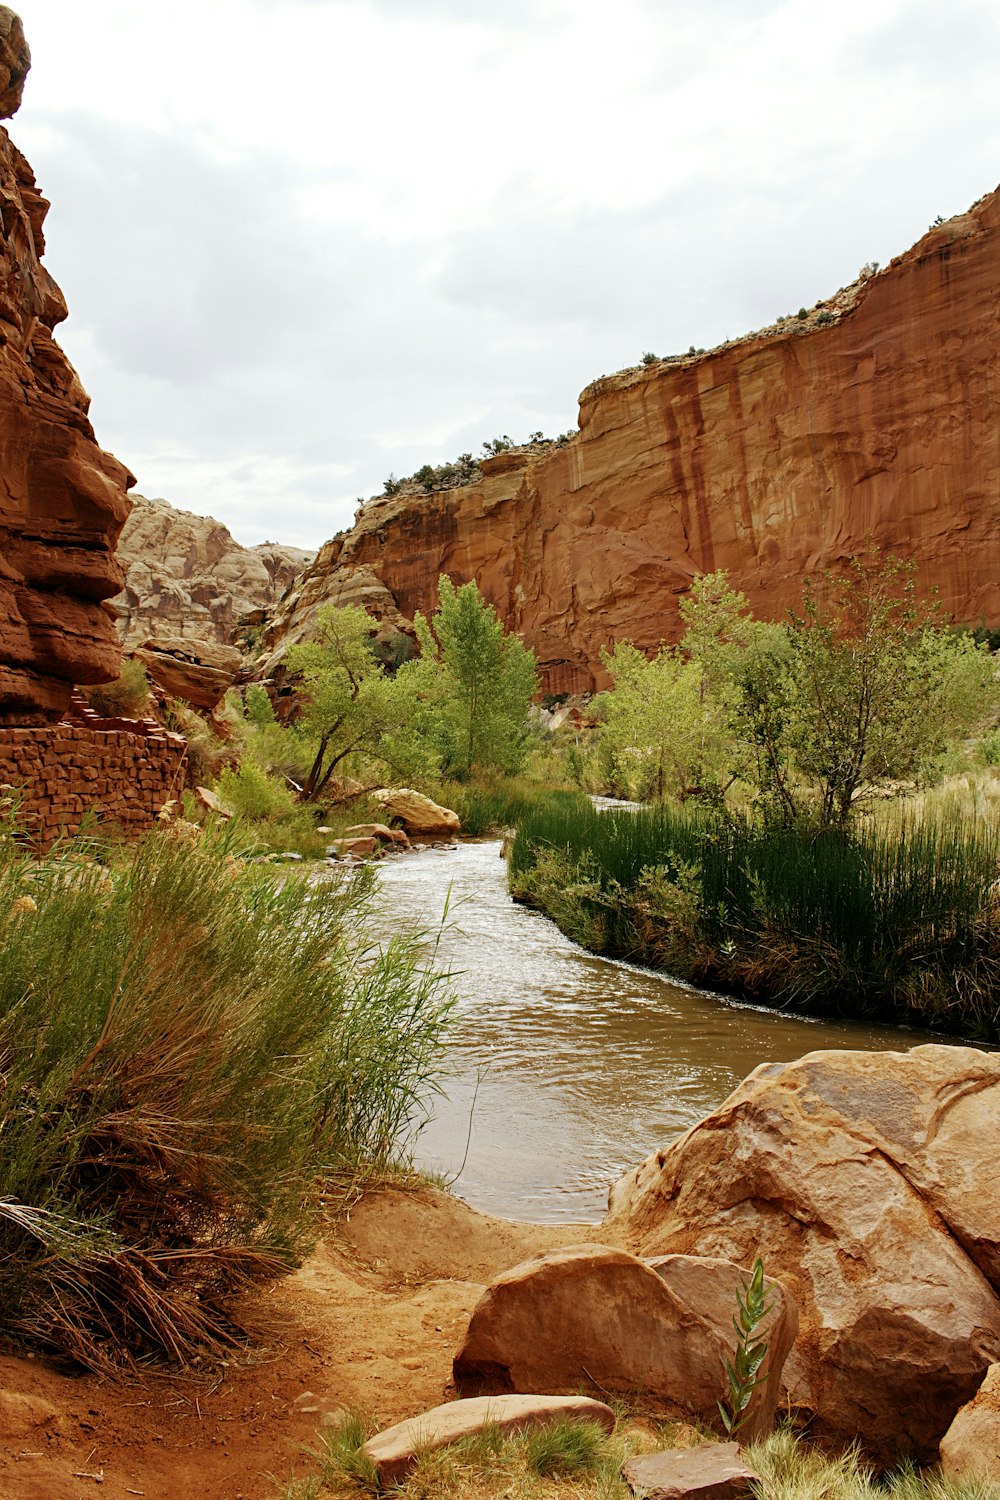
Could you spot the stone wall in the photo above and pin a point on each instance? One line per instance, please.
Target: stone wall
(122, 771)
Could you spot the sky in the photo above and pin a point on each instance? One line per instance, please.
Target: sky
(307, 244)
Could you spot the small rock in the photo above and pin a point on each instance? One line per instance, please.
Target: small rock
(711, 1471)
(210, 802)
(342, 848)
(370, 831)
(394, 1452)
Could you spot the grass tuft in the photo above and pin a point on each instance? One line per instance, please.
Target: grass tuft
(188, 1046)
(564, 1447)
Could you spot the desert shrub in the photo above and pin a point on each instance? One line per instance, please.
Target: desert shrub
(125, 698)
(251, 792)
(187, 1052)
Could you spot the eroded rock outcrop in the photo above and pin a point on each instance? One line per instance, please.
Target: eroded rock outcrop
(870, 1183)
(62, 500)
(188, 578)
(773, 456)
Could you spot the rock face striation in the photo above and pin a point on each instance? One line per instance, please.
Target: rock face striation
(62, 500)
(186, 577)
(774, 456)
(868, 1182)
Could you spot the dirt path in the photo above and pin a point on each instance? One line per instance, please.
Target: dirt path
(371, 1322)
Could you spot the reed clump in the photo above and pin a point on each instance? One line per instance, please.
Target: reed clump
(190, 1046)
(896, 922)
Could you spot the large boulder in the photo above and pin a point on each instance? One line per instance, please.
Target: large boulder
(871, 1183)
(593, 1316)
(417, 813)
(199, 672)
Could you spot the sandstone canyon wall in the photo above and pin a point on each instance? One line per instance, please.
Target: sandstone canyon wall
(62, 500)
(187, 578)
(774, 456)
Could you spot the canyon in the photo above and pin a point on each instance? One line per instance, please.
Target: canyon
(775, 456)
(63, 501)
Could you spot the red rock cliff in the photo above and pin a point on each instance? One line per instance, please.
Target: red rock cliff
(774, 456)
(62, 500)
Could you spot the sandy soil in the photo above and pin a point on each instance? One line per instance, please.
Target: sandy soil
(372, 1321)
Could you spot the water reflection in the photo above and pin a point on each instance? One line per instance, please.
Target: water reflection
(579, 1066)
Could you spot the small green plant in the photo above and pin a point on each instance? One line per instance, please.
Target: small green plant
(743, 1371)
(649, 358)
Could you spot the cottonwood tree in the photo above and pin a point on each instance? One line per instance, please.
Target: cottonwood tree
(352, 707)
(473, 682)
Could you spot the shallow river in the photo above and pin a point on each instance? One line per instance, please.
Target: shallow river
(566, 1069)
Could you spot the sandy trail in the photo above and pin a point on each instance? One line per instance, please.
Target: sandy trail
(371, 1322)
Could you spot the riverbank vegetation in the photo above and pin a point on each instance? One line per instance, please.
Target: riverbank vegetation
(790, 851)
(579, 1460)
(895, 923)
(195, 1054)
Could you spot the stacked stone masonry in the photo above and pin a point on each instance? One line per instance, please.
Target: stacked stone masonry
(66, 773)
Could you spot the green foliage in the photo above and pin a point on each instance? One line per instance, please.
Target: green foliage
(125, 698)
(250, 792)
(258, 707)
(190, 1044)
(661, 734)
(649, 358)
(861, 693)
(472, 686)
(743, 1371)
(897, 924)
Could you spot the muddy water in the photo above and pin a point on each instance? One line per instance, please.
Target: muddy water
(565, 1069)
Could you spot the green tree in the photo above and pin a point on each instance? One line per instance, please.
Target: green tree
(473, 683)
(352, 707)
(858, 694)
(663, 733)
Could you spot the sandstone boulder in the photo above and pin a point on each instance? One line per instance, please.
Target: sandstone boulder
(199, 672)
(872, 1180)
(380, 831)
(970, 1449)
(417, 813)
(710, 1471)
(590, 1315)
(395, 1451)
(62, 501)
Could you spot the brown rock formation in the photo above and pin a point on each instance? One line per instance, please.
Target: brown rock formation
(970, 1449)
(774, 456)
(186, 577)
(199, 672)
(62, 501)
(868, 1182)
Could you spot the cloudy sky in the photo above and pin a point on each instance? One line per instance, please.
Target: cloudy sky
(307, 243)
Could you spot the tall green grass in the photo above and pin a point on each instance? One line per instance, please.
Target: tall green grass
(898, 923)
(491, 805)
(189, 1046)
